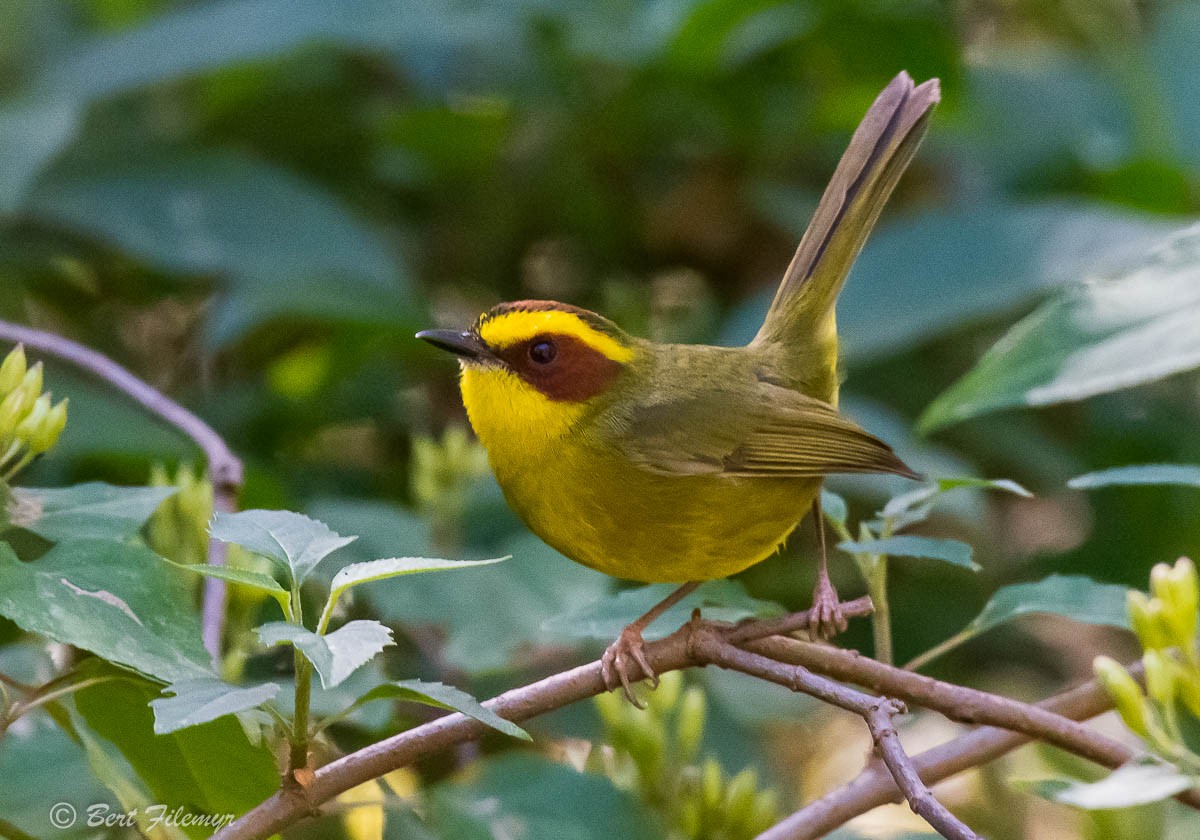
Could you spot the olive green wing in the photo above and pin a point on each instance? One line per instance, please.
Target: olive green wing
(770, 431)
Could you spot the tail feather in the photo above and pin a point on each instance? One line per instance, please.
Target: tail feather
(880, 151)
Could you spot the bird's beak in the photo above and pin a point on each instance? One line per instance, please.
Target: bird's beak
(465, 345)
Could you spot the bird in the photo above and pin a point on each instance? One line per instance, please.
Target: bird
(657, 462)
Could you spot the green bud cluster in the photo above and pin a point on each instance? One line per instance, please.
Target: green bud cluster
(1165, 622)
(179, 528)
(656, 754)
(441, 474)
(29, 422)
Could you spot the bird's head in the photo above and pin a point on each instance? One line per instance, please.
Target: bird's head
(532, 369)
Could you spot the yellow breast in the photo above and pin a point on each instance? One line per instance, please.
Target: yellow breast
(599, 509)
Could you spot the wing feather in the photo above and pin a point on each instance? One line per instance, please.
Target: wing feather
(775, 432)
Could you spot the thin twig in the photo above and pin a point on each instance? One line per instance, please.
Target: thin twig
(875, 786)
(672, 653)
(881, 722)
(224, 468)
(956, 702)
(878, 713)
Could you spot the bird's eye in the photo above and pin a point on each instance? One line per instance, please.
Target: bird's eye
(542, 352)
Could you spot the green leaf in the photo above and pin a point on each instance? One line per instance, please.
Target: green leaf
(93, 510)
(293, 540)
(184, 42)
(374, 570)
(922, 496)
(954, 552)
(282, 245)
(116, 774)
(443, 697)
(39, 767)
(546, 799)
(933, 272)
(31, 134)
(200, 701)
(833, 506)
(1071, 596)
(1135, 783)
(1099, 337)
(520, 593)
(335, 655)
(242, 577)
(119, 601)
(1181, 475)
(719, 600)
(211, 768)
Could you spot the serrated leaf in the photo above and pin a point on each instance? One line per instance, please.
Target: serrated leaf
(117, 600)
(242, 577)
(1179, 475)
(293, 540)
(200, 701)
(954, 552)
(520, 594)
(335, 655)
(85, 511)
(443, 697)
(1134, 783)
(719, 600)
(1102, 336)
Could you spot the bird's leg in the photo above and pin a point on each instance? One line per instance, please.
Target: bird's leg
(614, 664)
(826, 618)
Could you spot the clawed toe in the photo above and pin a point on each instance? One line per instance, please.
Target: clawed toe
(826, 618)
(629, 648)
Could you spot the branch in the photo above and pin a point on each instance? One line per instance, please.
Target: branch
(673, 653)
(878, 712)
(875, 786)
(224, 468)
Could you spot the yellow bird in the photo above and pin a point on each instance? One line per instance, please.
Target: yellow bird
(684, 463)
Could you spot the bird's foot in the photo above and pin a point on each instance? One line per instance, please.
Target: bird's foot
(826, 618)
(629, 648)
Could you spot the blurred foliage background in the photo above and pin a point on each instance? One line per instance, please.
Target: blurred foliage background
(253, 204)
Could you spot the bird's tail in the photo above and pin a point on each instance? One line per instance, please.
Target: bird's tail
(802, 314)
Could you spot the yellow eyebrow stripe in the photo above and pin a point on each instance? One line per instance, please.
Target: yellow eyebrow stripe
(511, 328)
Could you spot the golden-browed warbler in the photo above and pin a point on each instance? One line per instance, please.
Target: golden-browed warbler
(683, 463)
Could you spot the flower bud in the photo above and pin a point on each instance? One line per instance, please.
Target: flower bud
(1179, 591)
(12, 410)
(1148, 620)
(52, 425)
(664, 698)
(712, 786)
(31, 382)
(31, 425)
(1188, 685)
(12, 371)
(739, 797)
(766, 811)
(689, 724)
(1125, 693)
(1161, 672)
